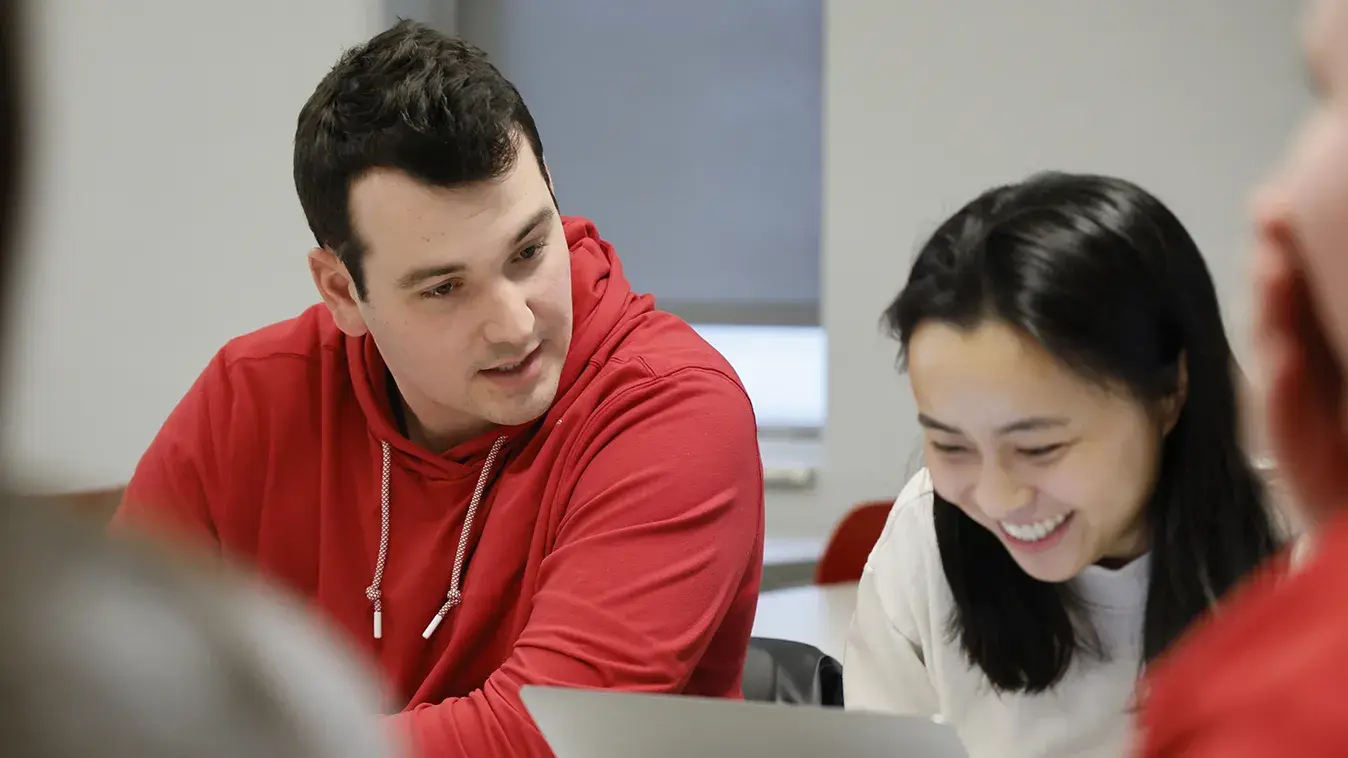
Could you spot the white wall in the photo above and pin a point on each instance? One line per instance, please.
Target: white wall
(930, 101)
(164, 218)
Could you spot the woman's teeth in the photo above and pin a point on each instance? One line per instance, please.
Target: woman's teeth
(1033, 532)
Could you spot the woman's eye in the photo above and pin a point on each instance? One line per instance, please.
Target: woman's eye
(1041, 452)
(944, 448)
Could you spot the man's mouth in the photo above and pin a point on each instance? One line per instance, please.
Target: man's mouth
(514, 366)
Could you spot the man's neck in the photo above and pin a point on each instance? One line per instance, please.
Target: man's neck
(409, 423)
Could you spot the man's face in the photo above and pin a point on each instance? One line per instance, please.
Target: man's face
(1308, 194)
(468, 297)
(1302, 269)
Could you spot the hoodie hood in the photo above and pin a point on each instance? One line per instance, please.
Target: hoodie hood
(601, 299)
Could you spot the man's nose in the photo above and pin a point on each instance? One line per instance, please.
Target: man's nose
(511, 321)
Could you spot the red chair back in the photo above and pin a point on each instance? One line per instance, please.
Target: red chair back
(845, 555)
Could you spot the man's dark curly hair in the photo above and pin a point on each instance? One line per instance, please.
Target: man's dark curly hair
(412, 99)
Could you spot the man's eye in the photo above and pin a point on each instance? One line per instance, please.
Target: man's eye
(440, 291)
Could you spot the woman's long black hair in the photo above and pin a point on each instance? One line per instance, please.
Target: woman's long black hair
(1107, 279)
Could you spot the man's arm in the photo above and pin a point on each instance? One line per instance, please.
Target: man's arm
(1264, 675)
(665, 525)
(169, 490)
(1304, 726)
(1249, 738)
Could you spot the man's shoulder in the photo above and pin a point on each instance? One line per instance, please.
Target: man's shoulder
(305, 336)
(665, 346)
(285, 359)
(662, 371)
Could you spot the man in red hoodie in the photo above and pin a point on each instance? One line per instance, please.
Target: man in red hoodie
(483, 455)
(1268, 674)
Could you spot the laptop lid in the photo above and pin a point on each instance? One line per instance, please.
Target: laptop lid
(607, 724)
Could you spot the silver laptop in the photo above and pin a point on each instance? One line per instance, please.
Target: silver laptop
(607, 724)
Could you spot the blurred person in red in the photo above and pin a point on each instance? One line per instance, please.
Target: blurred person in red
(1266, 674)
(113, 650)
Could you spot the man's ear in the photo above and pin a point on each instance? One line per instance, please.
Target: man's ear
(1304, 381)
(338, 290)
(1249, 414)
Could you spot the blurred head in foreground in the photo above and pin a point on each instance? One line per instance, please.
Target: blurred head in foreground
(1301, 270)
(111, 650)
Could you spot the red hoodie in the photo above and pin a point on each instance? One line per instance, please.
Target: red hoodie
(1267, 674)
(617, 543)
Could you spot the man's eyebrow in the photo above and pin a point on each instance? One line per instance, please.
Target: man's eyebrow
(418, 275)
(540, 217)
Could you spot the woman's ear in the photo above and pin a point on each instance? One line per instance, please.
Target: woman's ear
(1173, 405)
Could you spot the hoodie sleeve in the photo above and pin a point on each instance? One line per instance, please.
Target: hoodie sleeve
(660, 551)
(168, 490)
(1264, 675)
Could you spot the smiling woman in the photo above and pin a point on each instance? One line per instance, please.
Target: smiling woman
(1086, 495)
(1057, 466)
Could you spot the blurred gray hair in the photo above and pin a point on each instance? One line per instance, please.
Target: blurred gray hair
(112, 650)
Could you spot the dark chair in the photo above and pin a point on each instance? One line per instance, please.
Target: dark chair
(783, 671)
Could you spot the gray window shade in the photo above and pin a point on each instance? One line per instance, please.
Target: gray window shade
(689, 131)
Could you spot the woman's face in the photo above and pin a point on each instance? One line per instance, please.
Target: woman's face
(1058, 467)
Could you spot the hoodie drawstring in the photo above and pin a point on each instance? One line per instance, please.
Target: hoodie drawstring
(454, 596)
(372, 592)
